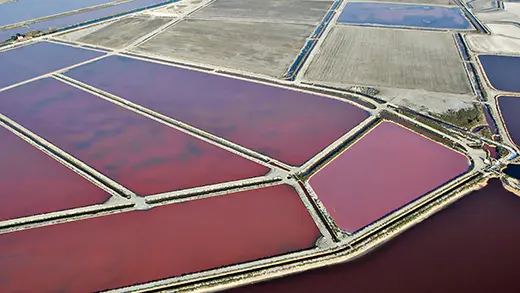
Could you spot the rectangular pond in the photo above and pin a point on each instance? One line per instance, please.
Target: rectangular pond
(167, 241)
(509, 108)
(467, 247)
(14, 12)
(386, 14)
(30, 61)
(141, 154)
(503, 72)
(32, 182)
(385, 169)
(288, 125)
(84, 17)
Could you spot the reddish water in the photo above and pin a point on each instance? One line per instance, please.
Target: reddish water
(30, 61)
(33, 183)
(387, 168)
(472, 246)
(284, 124)
(492, 150)
(171, 240)
(141, 154)
(509, 109)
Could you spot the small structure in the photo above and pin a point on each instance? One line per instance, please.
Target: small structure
(18, 37)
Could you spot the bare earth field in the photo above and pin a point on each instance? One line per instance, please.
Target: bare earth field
(390, 58)
(123, 32)
(278, 10)
(264, 48)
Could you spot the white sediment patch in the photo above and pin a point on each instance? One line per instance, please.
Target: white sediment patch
(508, 30)
(493, 44)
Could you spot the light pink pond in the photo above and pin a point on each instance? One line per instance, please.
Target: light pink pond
(387, 168)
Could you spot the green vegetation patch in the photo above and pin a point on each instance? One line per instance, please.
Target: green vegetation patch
(466, 118)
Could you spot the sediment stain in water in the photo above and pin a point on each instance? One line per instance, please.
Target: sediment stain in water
(141, 154)
(509, 109)
(471, 246)
(385, 169)
(32, 182)
(170, 240)
(287, 125)
(503, 72)
(404, 15)
(30, 61)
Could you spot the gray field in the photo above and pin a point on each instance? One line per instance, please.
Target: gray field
(123, 32)
(390, 58)
(264, 48)
(279, 10)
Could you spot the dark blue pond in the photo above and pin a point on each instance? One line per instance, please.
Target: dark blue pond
(503, 72)
(513, 171)
(509, 109)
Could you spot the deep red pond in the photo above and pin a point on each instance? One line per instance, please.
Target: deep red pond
(471, 246)
(141, 154)
(171, 240)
